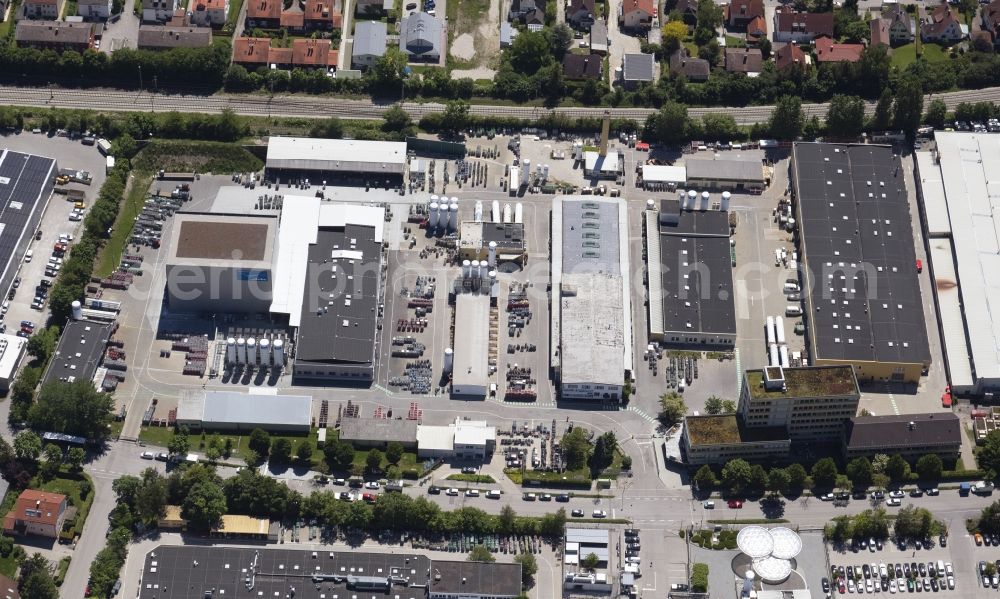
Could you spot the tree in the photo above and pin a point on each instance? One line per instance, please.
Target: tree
(387, 72)
(560, 40)
(758, 477)
(604, 452)
(126, 488)
(845, 119)
(480, 553)
(709, 18)
(75, 408)
(304, 452)
(339, 454)
(670, 125)
(988, 456)
(590, 561)
(374, 460)
(989, 519)
(456, 116)
(859, 470)
(909, 107)
(281, 450)
(260, 442)
(576, 447)
(929, 467)
(75, 457)
(204, 506)
(38, 583)
(150, 502)
(396, 119)
(897, 469)
(879, 463)
(713, 405)
(915, 523)
(394, 452)
(824, 473)
(787, 119)
(778, 480)
(674, 33)
(553, 524)
(529, 52)
(672, 408)
(27, 445)
(704, 478)
(529, 567)
(43, 343)
(507, 519)
(721, 127)
(53, 459)
(736, 475)
(179, 444)
(937, 112)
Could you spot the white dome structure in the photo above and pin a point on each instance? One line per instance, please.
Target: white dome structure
(787, 544)
(755, 541)
(772, 569)
(771, 551)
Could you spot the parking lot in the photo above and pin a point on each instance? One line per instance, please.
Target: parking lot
(890, 570)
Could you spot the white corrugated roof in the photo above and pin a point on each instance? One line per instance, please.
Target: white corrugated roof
(473, 432)
(664, 174)
(950, 312)
(932, 189)
(655, 311)
(336, 154)
(587, 536)
(440, 438)
(472, 340)
(225, 407)
(11, 350)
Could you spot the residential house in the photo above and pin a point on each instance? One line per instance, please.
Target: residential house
(159, 11)
(879, 33)
(693, 69)
(801, 27)
(756, 31)
(47, 10)
(582, 66)
(54, 35)
(580, 14)
(255, 52)
(37, 512)
(990, 17)
(790, 55)
(739, 13)
(507, 34)
(208, 13)
(293, 18)
(828, 51)
(942, 26)
(744, 60)
(637, 69)
(320, 15)
(902, 28)
(520, 8)
(252, 52)
(314, 54)
(154, 37)
(688, 10)
(263, 14)
(97, 10)
(599, 38)
(369, 43)
(421, 37)
(637, 14)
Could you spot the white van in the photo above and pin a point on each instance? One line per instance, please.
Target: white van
(28, 255)
(493, 494)
(791, 287)
(793, 310)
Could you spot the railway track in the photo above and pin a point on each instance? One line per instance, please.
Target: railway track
(305, 106)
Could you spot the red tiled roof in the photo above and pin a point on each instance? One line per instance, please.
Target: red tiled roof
(646, 6)
(827, 51)
(880, 32)
(322, 10)
(251, 50)
(293, 17)
(789, 54)
(744, 10)
(313, 53)
(37, 507)
(816, 23)
(280, 56)
(264, 9)
(756, 29)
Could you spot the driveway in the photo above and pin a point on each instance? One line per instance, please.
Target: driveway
(123, 33)
(620, 43)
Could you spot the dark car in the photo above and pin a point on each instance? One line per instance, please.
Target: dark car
(577, 513)
(826, 584)
(434, 490)
(917, 493)
(562, 497)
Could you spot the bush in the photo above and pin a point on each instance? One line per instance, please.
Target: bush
(410, 474)
(699, 578)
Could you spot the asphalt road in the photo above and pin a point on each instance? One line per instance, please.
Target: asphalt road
(305, 106)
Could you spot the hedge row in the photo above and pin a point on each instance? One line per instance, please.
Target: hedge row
(699, 578)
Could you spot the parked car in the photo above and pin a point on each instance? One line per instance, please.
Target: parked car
(146, 455)
(600, 514)
(577, 513)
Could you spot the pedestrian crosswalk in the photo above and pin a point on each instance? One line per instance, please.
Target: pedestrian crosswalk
(643, 415)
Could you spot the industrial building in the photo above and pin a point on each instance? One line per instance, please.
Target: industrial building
(378, 432)
(591, 314)
(957, 189)
(26, 183)
(691, 298)
(910, 435)
(243, 412)
(811, 403)
(12, 350)
(581, 542)
(658, 177)
(607, 165)
(718, 439)
(336, 161)
(79, 352)
(729, 171)
(221, 263)
(475, 238)
(862, 296)
(183, 572)
(471, 362)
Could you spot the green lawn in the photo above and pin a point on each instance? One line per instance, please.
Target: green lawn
(8, 567)
(904, 55)
(235, 6)
(112, 252)
(68, 484)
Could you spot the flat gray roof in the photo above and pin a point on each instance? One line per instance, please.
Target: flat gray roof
(224, 408)
(476, 579)
(79, 352)
(590, 237)
(727, 167)
(472, 340)
(380, 430)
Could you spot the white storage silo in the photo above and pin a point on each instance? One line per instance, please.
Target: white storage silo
(466, 269)
(432, 215)
(545, 172)
(279, 353)
(725, 201)
(435, 198)
(779, 330)
(77, 309)
(453, 217)
(650, 204)
(704, 200)
(479, 211)
(241, 351)
(769, 330)
(773, 355)
(265, 352)
(692, 197)
(508, 214)
(449, 359)
(230, 350)
(518, 213)
(251, 351)
(492, 254)
(783, 355)
(525, 171)
(497, 216)
(477, 269)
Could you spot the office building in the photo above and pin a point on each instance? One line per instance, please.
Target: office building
(910, 435)
(718, 439)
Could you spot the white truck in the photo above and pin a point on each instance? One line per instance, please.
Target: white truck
(103, 146)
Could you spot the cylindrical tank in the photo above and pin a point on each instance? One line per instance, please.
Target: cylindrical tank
(279, 353)
(650, 204)
(492, 257)
(769, 330)
(453, 217)
(725, 201)
(525, 171)
(704, 200)
(748, 582)
(241, 351)
(251, 351)
(265, 352)
(466, 269)
(454, 200)
(77, 310)
(545, 172)
(779, 330)
(479, 211)
(449, 359)
(772, 351)
(692, 197)
(518, 213)
(497, 216)
(230, 351)
(783, 355)
(432, 215)
(508, 214)
(435, 198)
